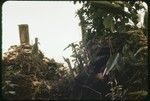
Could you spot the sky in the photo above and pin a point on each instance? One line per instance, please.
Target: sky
(53, 22)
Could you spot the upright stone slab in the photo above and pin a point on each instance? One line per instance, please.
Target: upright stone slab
(24, 34)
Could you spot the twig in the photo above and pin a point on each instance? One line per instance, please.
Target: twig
(111, 47)
(91, 89)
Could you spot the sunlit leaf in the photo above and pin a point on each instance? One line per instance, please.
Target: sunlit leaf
(13, 85)
(112, 62)
(108, 23)
(73, 55)
(139, 93)
(139, 50)
(12, 92)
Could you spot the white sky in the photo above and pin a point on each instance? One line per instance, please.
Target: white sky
(53, 22)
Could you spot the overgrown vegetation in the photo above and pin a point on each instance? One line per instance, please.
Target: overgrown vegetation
(110, 63)
(27, 75)
(116, 48)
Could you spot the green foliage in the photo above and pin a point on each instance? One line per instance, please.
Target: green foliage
(113, 60)
(110, 45)
(108, 24)
(79, 56)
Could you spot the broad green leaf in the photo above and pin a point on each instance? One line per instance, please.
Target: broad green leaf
(105, 3)
(112, 62)
(108, 23)
(146, 20)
